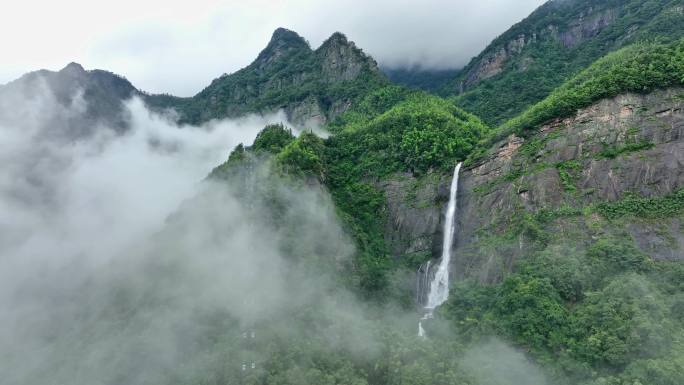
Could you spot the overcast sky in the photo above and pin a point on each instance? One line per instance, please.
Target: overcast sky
(178, 47)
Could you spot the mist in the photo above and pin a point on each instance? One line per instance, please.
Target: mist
(85, 216)
(122, 263)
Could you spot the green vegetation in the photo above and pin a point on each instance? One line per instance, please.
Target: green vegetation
(566, 171)
(577, 296)
(612, 152)
(637, 206)
(228, 168)
(638, 68)
(419, 133)
(285, 73)
(273, 138)
(303, 156)
(553, 56)
(595, 315)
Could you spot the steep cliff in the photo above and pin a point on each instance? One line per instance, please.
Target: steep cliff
(628, 147)
(524, 64)
(601, 150)
(558, 186)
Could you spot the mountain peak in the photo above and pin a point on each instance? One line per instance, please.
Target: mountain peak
(283, 41)
(73, 68)
(342, 60)
(338, 37)
(285, 38)
(286, 34)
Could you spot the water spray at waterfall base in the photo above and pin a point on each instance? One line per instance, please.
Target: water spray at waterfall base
(438, 289)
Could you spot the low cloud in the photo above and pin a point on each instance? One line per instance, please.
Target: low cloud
(84, 219)
(122, 264)
(493, 362)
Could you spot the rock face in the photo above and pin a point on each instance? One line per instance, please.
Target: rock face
(582, 26)
(587, 26)
(559, 39)
(311, 86)
(631, 144)
(283, 43)
(341, 60)
(628, 144)
(493, 63)
(414, 211)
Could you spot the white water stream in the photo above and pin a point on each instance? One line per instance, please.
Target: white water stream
(438, 291)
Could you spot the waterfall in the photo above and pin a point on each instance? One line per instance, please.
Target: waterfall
(438, 290)
(423, 282)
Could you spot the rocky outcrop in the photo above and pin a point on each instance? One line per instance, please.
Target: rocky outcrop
(587, 26)
(311, 86)
(631, 144)
(283, 43)
(341, 60)
(414, 212)
(307, 113)
(493, 63)
(511, 48)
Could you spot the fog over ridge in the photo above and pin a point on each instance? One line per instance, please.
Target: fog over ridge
(120, 263)
(87, 225)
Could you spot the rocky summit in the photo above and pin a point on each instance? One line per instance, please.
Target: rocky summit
(311, 86)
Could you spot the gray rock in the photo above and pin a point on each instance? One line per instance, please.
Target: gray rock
(510, 183)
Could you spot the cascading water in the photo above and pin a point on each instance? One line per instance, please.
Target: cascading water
(438, 290)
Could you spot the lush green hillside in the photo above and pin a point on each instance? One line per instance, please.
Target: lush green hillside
(569, 247)
(583, 299)
(585, 295)
(639, 68)
(392, 130)
(561, 38)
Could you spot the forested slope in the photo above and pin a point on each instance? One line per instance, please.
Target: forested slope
(561, 38)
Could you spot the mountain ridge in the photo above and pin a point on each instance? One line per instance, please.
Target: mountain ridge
(570, 233)
(530, 59)
(311, 86)
(101, 92)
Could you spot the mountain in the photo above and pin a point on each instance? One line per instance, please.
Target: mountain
(569, 216)
(567, 263)
(96, 95)
(424, 79)
(311, 86)
(562, 37)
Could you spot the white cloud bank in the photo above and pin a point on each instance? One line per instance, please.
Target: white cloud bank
(113, 255)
